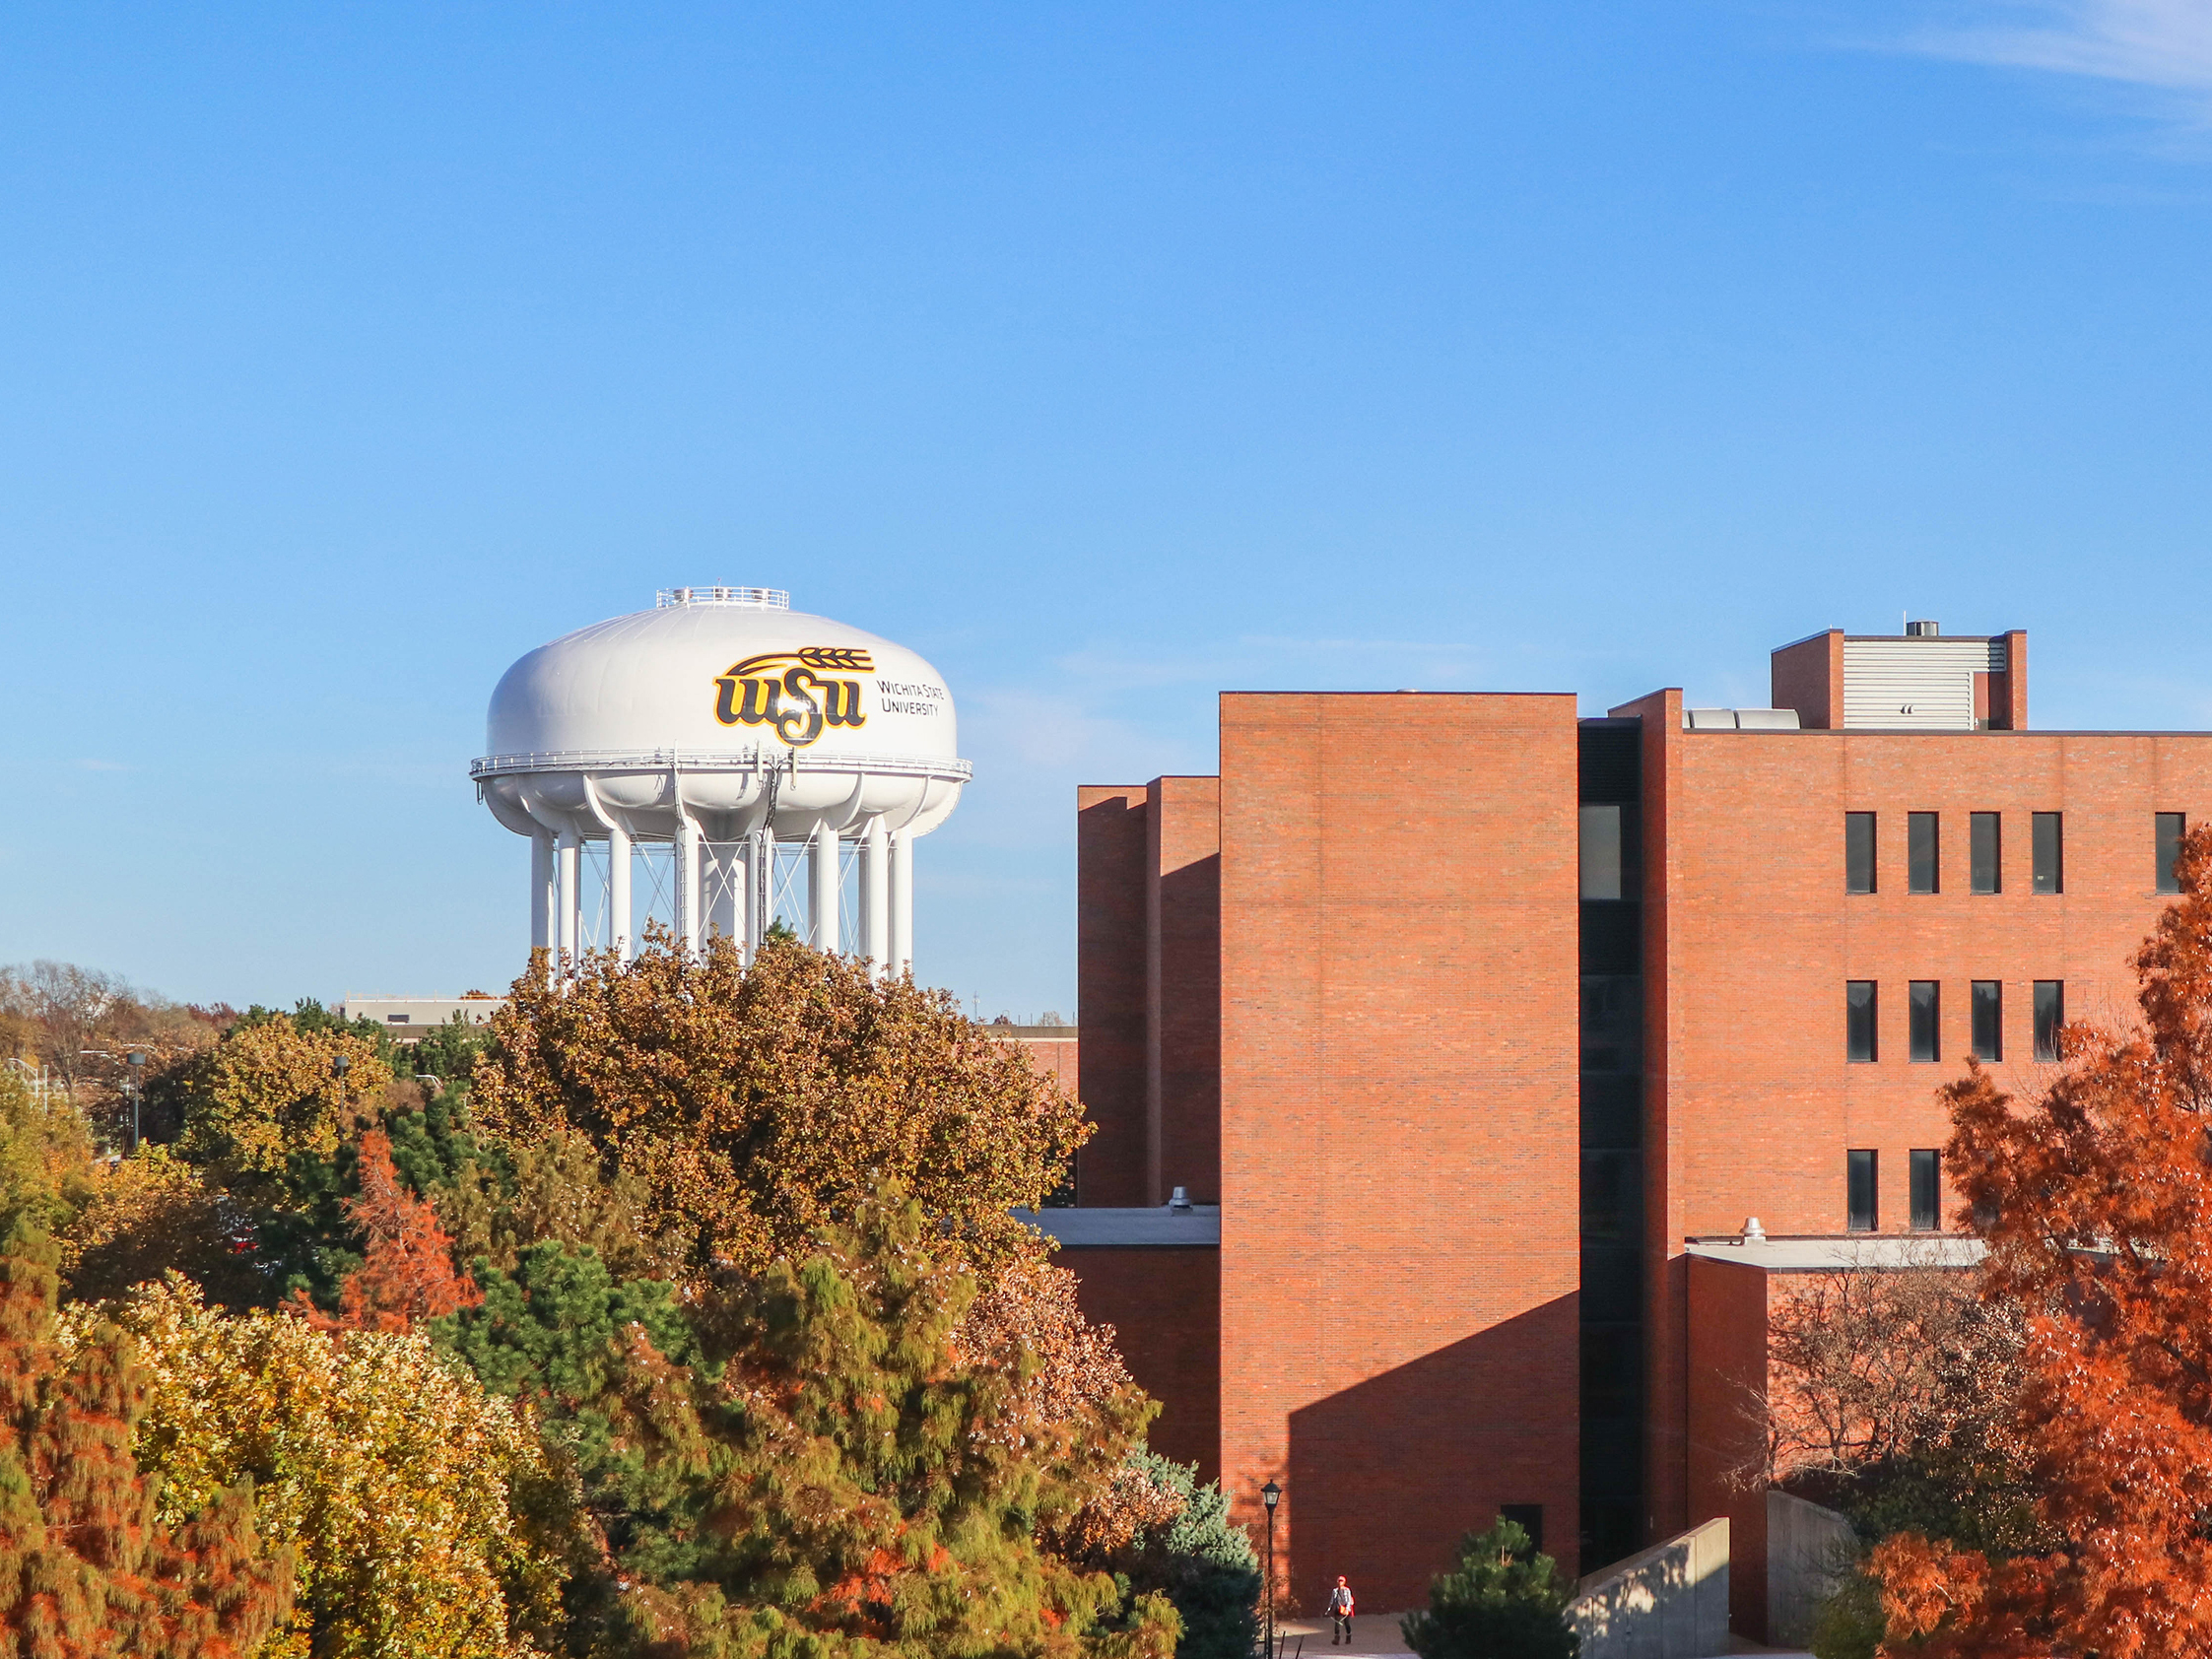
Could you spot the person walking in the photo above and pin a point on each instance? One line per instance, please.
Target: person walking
(1340, 1613)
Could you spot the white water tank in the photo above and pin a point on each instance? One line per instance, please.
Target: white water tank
(726, 725)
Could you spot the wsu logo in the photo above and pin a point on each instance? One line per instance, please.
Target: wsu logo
(796, 700)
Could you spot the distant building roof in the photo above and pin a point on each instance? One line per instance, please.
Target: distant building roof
(1835, 1253)
(1198, 1227)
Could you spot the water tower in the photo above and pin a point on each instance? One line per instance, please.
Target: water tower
(740, 750)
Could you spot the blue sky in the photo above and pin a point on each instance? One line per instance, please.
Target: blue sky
(1110, 356)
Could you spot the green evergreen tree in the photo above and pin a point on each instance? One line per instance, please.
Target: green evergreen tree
(1201, 1562)
(801, 1464)
(613, 1376)
(448, 1051)
(1503, 1601)
(83, 1570)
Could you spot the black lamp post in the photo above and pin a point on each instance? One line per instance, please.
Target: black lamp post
(1271, 1495)
(338, 1069)
(137, 1063)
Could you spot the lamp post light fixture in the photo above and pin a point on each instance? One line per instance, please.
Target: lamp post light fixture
(1271, 1495)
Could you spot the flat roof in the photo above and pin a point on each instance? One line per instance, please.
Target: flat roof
(1156, 1229)
(1836, 1253)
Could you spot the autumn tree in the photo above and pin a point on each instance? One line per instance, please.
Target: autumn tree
(400, 1484)
(81, 1026)
(758, 1102)
(88, 1568)
(271, 1092)
(805, 1460)
(45, 1155)
(150, 1213)
(1889, 1395)
(2095, 1200)
(407, 1272)
(497, 1201)
(64, 1014)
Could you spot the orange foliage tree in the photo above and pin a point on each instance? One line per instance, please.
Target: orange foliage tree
(85, 1569)
(2095, 1200)
(408, 1274)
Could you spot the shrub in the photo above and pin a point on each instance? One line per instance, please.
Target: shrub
(1503, 1601)
(1198, 1559)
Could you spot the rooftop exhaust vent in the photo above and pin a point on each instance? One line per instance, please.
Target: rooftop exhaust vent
(1924, 631)
(755, 598)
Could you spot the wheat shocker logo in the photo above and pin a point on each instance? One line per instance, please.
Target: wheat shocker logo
(796, 700)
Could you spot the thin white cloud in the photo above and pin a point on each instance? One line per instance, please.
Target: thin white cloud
(2164, 45)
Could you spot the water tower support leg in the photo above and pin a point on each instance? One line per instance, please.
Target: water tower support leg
(541, 889)
(901, 905)
(618, 890)
(821, 890)
(571, 897)
(688, 885)
(875, 897)
(763, 862)
(739, 872)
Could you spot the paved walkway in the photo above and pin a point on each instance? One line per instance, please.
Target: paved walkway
(1375, 1635)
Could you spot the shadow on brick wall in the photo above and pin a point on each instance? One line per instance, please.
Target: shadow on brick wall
(1386, 1477)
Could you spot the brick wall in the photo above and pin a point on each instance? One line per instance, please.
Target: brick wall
(1726, 1392)
(1754, 1104)
(1182, 894)
(1400, 1225)
(1164, 1305)
(1809, 678)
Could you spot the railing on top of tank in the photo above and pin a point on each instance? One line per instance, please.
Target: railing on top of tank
(760, 598)
(735, 760)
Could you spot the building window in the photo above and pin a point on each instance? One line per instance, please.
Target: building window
(1858, 852)
(1864, 1195)
(2050, 1013)
(1920, 873)
(1858, 1019)
(1926, 998)
(2051, 852)
(1988, 1019)
(2171, 825)
(1927, 1191)
(1985, 832)
(1601, 852)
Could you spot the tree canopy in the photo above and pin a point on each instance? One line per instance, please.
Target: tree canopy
(88, 1568)
(679, 1314)
(758, 1102)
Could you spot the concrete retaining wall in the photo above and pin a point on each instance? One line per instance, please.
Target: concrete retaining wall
(1809, 1551)
(1671, 1601)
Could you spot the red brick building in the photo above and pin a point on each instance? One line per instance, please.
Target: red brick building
(1457, 1019)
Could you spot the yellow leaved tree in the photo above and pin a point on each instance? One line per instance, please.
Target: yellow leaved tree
(270, 1090)
(392, 1474)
